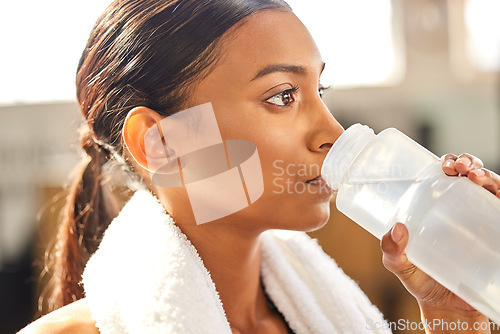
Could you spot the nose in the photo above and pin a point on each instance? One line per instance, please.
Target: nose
(324, 130)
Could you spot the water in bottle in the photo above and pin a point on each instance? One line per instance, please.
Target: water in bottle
(454, 224)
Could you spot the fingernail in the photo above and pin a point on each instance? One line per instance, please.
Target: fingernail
(464, 161)
(396, 234)
(448, 163)
(479, 172)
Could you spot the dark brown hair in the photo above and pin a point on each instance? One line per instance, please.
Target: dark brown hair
(140, 53)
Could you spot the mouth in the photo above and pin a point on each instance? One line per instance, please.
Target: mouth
(318, 181)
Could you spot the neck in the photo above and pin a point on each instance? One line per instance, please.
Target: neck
(233, 260)
(231, 253)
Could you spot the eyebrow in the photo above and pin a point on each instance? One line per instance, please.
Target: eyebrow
(284, 68)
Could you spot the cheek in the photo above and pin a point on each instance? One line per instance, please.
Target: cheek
(278, 163)
(275, 146)
(287, 202)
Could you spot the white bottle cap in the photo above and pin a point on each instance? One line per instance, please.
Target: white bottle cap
(343, 153)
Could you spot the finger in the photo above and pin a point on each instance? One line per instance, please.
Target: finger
(487, 179)
(448, 164)
(466, 163)
(393, 244)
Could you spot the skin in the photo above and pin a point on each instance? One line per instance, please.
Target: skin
(297, 129)
(72, 318)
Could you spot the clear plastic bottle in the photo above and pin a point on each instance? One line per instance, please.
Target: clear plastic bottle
(454, 224)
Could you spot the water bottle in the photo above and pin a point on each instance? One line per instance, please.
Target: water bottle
(453, 223)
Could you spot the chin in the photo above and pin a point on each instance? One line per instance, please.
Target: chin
(309, 220)
(316, 225)
(300, 214)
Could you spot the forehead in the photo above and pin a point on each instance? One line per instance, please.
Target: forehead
(268, 37)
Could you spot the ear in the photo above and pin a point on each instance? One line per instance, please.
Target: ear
(143, 138)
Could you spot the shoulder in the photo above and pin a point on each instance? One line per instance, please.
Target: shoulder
(72, 318)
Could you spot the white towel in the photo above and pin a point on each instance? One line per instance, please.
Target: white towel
(147, 277)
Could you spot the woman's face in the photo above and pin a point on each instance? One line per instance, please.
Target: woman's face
(266, 89)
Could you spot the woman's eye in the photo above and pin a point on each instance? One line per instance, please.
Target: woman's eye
(283, 99)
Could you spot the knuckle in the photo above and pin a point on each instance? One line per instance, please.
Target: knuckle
(490, 177)
(478, 162)
(388, 263)
(494, 176)
(401, 270)
(406, 271)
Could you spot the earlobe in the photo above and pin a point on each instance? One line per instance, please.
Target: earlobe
(143, 138)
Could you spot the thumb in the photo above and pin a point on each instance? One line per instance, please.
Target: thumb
(393, 245)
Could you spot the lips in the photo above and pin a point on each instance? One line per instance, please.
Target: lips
(317, 178)
(319, 181)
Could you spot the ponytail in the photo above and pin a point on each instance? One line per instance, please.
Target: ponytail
(89, 210)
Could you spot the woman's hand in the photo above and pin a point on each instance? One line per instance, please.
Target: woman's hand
(472, 167)
(435, 301)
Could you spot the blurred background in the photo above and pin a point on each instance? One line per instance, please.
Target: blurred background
(430, 68)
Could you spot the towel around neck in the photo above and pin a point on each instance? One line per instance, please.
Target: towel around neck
(147, 277)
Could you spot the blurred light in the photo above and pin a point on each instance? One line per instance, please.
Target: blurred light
(42, 42)
(483, 30)
(355, 38)
(41, 45)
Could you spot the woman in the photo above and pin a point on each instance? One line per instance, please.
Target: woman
(256, 68)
